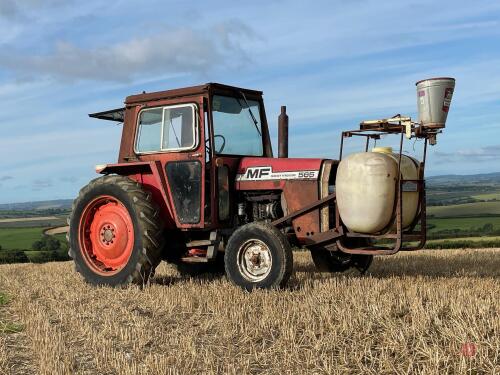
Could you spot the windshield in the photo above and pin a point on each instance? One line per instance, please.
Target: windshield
(237, 127)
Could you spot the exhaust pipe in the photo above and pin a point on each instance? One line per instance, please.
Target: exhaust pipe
(283, 133)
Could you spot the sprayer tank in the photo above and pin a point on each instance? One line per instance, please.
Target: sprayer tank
(366, 186)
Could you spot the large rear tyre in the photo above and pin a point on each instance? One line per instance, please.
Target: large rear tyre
(115, 233)
(258, 256)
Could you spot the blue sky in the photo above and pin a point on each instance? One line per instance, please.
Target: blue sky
(333, 63)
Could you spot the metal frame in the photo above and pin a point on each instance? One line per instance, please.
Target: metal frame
(373, 130)
(334, 238)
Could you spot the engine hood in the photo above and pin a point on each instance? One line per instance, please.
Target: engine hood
(262, 169)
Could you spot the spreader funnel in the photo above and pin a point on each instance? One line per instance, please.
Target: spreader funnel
(433, 101)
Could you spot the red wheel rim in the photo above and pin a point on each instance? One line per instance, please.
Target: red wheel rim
(106, 235)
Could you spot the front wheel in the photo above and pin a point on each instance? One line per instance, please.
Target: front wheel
(258, 256)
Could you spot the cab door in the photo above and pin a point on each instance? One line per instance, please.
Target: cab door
(178, 129)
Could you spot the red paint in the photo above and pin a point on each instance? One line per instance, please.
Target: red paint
(448, 93)
(197, 252)
(151, 177)
(281, 164)
(106, 235)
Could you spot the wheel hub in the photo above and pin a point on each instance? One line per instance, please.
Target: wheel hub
(254, 260)
(106, 235)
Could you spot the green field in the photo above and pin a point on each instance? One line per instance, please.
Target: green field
(19, 238)
(463, 223)
(474, 239)
(488, 196)
(464, 210)
(464, 242)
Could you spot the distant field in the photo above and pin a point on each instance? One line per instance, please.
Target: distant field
(23, 238)
(467, 209)
(461, 239)
(488, 196)
(19, 238)
(57, 230)
(61, 237)
(464, 223)
(33, 222)
(27, 219)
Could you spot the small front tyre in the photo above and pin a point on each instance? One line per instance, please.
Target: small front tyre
(258, 256)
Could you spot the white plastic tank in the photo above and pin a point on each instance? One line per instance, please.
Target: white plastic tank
(409, 171)
(366, 190)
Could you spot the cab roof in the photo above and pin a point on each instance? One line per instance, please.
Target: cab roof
(118, 114)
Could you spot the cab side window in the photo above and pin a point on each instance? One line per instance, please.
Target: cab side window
(149, 131)
(171, 128)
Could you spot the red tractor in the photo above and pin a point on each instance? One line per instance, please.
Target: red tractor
(196, 185)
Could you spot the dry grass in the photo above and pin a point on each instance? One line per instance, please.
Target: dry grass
(411, 315)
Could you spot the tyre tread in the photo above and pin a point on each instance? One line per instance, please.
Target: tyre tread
(149, 222)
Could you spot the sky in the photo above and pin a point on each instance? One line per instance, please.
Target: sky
(332, 63)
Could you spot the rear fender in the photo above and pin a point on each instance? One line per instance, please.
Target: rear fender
(150, 176)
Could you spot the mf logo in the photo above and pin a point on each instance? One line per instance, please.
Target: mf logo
(258, 172)
(266, 173)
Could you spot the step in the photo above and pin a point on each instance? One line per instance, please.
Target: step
(194, 260)
(198, 243)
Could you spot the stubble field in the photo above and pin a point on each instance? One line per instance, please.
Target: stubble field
(431, 312)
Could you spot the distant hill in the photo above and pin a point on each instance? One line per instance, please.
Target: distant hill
(472, 179)
(40, 205)
(451, 180)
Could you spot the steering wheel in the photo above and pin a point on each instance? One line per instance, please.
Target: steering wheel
(221, 147)
(223, 142)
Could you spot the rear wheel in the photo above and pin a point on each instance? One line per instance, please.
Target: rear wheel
(337, 261)
(258, 256)
(115, 233)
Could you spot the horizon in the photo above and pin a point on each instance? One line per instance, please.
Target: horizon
(72, 198)
(60, 61)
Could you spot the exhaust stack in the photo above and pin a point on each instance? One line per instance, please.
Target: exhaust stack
(283, 133)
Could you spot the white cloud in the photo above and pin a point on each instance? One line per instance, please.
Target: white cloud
(481, 154)
(171, 51)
